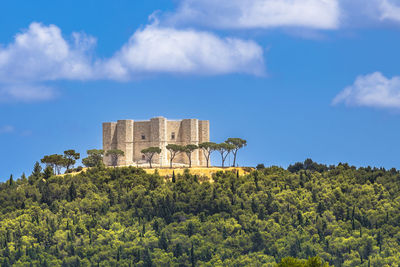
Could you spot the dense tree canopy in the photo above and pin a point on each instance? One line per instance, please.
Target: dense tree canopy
(125, 217)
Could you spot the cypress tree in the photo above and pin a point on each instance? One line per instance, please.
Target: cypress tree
(163, 242)
(71, 192)
(11, 180)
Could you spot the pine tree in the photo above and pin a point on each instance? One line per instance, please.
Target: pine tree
(37, 172)
(23, 177)
(48, 172)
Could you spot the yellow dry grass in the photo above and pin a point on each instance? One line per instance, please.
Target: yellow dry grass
(208, 172)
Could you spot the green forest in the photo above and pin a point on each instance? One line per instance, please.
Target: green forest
(307, 215)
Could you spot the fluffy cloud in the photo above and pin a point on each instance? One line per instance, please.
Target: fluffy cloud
(372, 90)
(244, 14)
(167, 50)
(40, 55)
(389, 11)
(264, 14)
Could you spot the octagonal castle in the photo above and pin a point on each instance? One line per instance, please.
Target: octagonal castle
(133, 136)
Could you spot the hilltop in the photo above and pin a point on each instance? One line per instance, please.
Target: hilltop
(199, 171)
(125, 216)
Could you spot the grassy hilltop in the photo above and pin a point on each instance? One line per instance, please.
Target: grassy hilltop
(127, 217)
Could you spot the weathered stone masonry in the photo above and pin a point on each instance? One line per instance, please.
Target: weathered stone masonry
(133, 136)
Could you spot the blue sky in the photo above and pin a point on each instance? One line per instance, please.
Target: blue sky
(298, 79)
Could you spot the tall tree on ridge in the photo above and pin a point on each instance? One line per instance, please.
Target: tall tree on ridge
(70, 158)
(115, 154)
(95, 158)
(208, 148)
(188, 149)
(55, 161)
(224, 149)
(150, 152)
(173, 150)
(238, 143)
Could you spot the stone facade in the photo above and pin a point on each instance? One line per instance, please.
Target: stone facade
(133, 136)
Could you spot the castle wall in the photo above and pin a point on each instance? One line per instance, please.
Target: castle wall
(204, 136)
(132, 137)
(125, 141)
(177, 128)
(109, 139)
(190, 135)
(141, 129)
(159, 139)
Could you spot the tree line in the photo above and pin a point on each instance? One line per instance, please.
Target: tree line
(95, 156)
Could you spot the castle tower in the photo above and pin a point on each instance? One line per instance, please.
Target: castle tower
(133, 136)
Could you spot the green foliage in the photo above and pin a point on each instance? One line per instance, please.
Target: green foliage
(115, 154)
(94, 158)
(260, 166)
(174, 150)
(36, 173)
(307, 165)
(238, 143)
(224, 149)
(311, 262)
(342, 216)
(11, 180)
(71, 157)
(56, 162)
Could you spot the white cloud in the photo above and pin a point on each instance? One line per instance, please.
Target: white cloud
(370, 13)
(246, 14)
(264, 14)
(167, 50)
(389, 11)
(40, 55)
(6, 129)
(372, 90)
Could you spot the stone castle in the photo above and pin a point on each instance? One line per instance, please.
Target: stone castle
(133, 136)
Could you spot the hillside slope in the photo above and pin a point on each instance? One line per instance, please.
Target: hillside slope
(125, 217)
